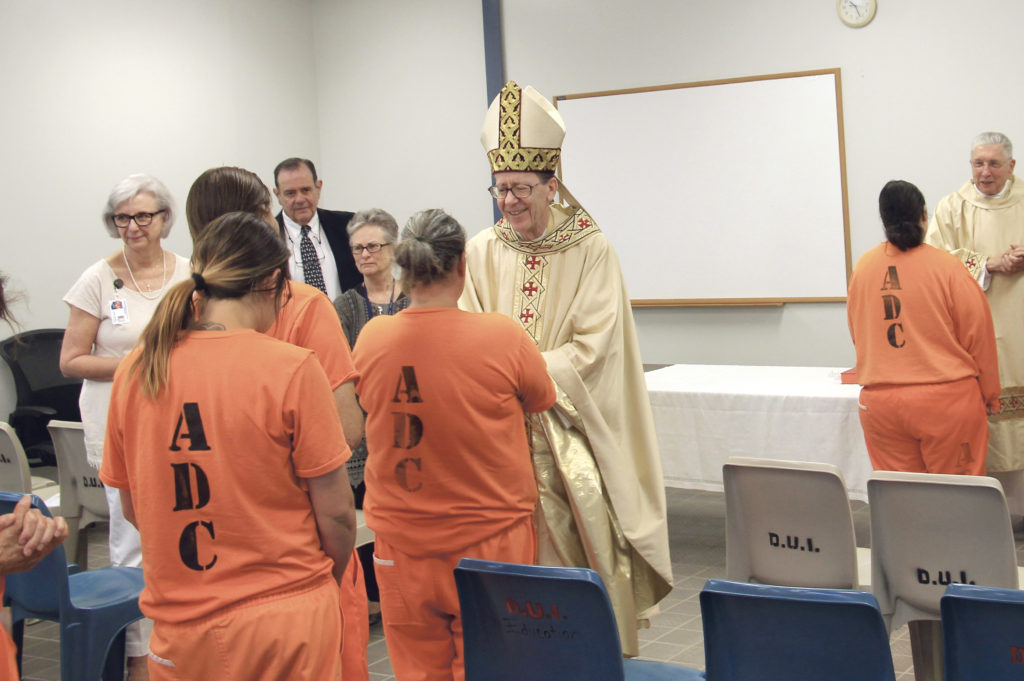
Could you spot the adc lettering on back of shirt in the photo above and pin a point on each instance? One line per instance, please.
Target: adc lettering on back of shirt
(892, 308)
(408, 430)
(189, 496)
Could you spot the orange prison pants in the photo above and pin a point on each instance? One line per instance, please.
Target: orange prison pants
(927, 428)
(420, 606)
(355, 616)
(289, 636)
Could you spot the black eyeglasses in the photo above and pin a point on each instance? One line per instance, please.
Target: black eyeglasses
(520, 191)
(122, 220)
(372, 247)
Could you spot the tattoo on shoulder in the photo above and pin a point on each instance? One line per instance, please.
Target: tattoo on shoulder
(209, 326)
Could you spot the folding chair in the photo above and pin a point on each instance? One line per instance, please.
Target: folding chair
(92, 607)
(757, 632)
(545, 624)
(929, 530)
(83, 499)
(789, 523)
(15, 474)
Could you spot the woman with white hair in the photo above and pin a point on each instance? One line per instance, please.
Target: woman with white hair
(111, 303)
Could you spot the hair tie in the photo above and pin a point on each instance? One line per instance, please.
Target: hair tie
(199, 281)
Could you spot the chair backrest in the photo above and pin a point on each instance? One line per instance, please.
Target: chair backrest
(44, 588)
(983, 632)
(34, 358)
(758, 632)
(81, 492)
(929, 530)
(788, 523)
(536, 622)
(14, 472)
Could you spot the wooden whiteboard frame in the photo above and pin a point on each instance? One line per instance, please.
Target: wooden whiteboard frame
(741, 300)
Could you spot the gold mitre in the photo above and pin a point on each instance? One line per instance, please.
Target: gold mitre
(522, 131)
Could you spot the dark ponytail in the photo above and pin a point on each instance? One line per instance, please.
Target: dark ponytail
(901, 205)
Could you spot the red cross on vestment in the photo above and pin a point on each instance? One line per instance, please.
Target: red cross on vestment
(532, 262)
(530, 288)
(526, 316)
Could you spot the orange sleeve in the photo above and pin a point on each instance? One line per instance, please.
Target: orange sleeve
(114, 469)
(536, 389)
(318, 443)
(974, 329)
(319, 329)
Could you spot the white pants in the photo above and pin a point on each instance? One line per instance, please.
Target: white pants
(126, 551)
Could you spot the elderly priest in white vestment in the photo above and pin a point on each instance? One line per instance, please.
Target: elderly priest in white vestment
(602, 499)
(982, 223)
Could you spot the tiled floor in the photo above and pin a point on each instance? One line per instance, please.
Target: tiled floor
(697, 538)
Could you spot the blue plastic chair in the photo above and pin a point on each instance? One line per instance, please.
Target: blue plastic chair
(756, 632)
(92, 608)
(983, 633)
(545, 624)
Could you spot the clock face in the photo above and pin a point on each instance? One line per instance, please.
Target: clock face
(856, 12)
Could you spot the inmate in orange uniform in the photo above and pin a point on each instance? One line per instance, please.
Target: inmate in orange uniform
(8, 651)
(308, 320)
(237, 582)
(450, 475)
(926, 356)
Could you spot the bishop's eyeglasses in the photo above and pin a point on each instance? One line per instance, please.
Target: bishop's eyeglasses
(520, 191)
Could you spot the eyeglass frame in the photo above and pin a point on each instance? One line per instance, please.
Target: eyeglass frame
(127, 219)
(495, 191)
(372, 247)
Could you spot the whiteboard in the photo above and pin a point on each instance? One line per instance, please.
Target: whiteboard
(719, 192)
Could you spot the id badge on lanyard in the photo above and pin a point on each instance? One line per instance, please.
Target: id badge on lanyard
(118, 305)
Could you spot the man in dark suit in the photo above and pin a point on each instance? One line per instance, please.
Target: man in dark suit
(317, 238)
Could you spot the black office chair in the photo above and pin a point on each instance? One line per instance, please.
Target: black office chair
(43, 393)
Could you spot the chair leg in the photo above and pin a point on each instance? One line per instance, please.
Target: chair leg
(114, 667)
(926, 649)
(82, 549)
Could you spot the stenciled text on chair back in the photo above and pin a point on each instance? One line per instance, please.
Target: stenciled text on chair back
(760, 632)
(544, 623)
(929, 530)
(983, 632)
(789, 523)
(83, 498)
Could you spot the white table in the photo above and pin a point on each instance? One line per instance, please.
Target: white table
(706, 413)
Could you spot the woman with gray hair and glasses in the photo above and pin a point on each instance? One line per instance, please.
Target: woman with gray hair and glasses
(110, 304)
(372, 235)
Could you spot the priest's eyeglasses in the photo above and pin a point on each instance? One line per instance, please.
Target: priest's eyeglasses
(520, 191)
(371, 247)
(122, 220)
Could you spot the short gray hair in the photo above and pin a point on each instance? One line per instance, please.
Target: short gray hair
(432, 242)
(376, 217)
(132, 186)
(987, 138)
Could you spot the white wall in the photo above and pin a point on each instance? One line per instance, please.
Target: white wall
(918, 83)
(388, 97)
(94, 91)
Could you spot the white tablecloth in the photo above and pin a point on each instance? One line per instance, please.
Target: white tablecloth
(706, 413)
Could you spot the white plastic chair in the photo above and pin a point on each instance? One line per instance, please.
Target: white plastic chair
(83, 499)
(789, 523)
(929, 530)
(15, 474)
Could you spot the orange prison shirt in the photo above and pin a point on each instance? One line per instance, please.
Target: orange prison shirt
(213, 465)
(916, 317)
(308, 319)
(445, 393)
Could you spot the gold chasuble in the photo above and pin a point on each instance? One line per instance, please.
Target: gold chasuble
(602, 499)
(975, 227)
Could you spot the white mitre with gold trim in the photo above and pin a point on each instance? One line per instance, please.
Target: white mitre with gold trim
(522, 131)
